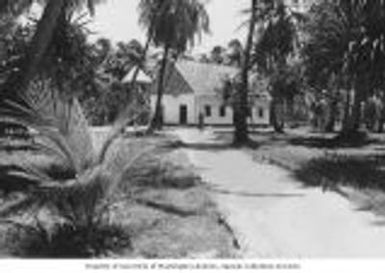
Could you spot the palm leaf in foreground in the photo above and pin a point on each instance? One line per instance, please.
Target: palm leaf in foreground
(63, 132)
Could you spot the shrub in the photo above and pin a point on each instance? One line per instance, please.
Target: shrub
(81, 191)
(67, 241)
(336, 169)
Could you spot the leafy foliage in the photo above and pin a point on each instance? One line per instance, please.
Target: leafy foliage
(174, 25)
(346, 38)
(174, 22)
(67, 241)
(335, 169)
(274, 54)
(82, 200)
(17, 7)
(235, 54)
(69, 60)
(278, 37)
(14, 42)
(14, 7)
(345, 45)
(106, 95)
(82, 197)
(285, 82)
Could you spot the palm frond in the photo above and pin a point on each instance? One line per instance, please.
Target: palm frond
(14, 7)
(129, 115)
(16, 206)
(60, 122)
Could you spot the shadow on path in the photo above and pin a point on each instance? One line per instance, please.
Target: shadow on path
(259, 195)
(206, 146)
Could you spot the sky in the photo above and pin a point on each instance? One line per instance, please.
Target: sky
(118, 21)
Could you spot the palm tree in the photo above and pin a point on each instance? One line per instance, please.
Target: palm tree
(278, 37)
(345, 40)
(135, 60)
(41, 40)
(235, 53)
(19, 80)
(80, 191)
(241, 107)
(174, 25)
(82, 195)
(103, 48)
(131, 55)
(217, 54)
(14, 7)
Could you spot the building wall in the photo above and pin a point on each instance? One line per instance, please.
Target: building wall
(214, 104)
(260, 113)
(171, 108)
(195, 105)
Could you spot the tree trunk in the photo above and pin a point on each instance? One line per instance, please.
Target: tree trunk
(157, 121)
(353, 121)
(345, 122)
(380, 128)
(276, 120)
(331, 122)
(241, 136)
(18, 83)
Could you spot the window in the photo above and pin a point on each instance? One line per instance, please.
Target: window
(261, 112)
(222, 111)
(207, 110)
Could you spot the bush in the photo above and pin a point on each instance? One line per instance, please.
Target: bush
(334, 170)
(79, 192)
(67, 241)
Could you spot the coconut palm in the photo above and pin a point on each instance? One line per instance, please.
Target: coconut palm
(217, 54)
(128, 56)
(14, 7)
(29, 65)
(235, 53)
(80, 191)
(103, 48)
(42, 38)
(174, 25)
(241, 107)
(345, 40)
(277, 42)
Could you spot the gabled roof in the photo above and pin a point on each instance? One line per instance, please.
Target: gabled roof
(141, 78)
(204, 79)
(186, 77)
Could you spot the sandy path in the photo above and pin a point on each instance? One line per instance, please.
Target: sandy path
(273, 216)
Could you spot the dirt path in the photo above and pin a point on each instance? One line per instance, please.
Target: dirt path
(272, 215)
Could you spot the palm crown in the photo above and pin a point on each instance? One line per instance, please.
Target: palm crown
(174, 22)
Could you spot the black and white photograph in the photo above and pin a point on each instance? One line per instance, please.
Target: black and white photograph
(236, 132)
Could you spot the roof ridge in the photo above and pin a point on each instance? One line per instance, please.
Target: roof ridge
(206, 64)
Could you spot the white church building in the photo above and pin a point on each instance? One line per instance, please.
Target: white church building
(191, 89)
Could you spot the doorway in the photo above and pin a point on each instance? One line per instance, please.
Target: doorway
(183, 114)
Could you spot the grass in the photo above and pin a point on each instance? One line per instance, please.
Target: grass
(174, 217)
(163, 235)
